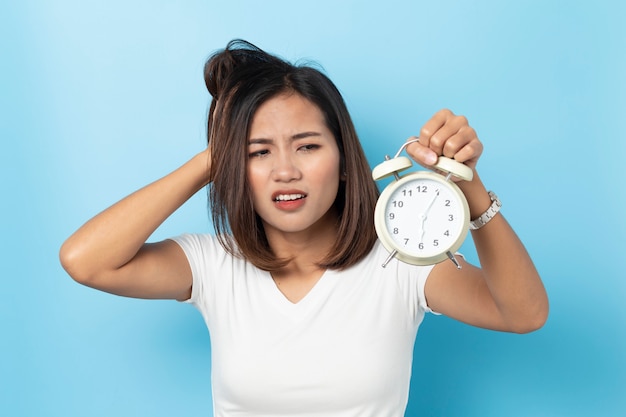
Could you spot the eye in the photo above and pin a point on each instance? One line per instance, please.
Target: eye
(309, 147)
(259, 153)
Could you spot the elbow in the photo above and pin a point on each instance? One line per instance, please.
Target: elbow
(70, 260)
(532, 314)
(532, 322)
(530, 326)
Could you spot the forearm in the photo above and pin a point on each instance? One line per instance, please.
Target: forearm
(112, 238)
(508, 270)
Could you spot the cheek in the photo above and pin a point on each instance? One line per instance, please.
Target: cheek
(254, 182)
(329, 174)
(336, 167)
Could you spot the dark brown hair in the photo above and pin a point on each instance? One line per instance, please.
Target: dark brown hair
(241, 78)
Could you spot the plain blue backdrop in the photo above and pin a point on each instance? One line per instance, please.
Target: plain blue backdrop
(99, 98)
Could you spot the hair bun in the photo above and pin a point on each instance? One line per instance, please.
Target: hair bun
(222, 67)
(216, 72)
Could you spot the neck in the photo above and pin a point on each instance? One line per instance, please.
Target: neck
(296, 279)
(305, 249)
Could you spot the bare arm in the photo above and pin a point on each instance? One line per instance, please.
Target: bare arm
(506, 292)
(109, 252)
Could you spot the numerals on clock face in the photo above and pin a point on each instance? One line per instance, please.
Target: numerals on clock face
(424, 217)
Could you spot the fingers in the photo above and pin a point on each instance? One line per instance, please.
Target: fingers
(449, 135)
(420, 153)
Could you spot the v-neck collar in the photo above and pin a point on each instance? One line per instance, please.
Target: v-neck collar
(299, 310)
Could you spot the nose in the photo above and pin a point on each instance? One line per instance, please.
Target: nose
(285, 168)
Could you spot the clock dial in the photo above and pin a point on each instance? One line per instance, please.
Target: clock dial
(424, 217)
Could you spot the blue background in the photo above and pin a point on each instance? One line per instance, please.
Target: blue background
(99, 98)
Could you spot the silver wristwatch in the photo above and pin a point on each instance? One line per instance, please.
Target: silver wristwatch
(484, 218)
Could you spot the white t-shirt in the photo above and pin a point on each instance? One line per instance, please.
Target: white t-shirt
(344, 350)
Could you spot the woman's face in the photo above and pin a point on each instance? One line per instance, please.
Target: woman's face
(293, 166)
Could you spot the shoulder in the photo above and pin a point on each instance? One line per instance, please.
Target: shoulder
(378, 259)
(409, 280)
(377, 266)
(396, 286)
(195, 240)
(207, 257)
(214, 270)
(200, 245)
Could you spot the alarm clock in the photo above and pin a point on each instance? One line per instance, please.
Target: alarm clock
(421, 218)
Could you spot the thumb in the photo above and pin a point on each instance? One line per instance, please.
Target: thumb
(421, 154)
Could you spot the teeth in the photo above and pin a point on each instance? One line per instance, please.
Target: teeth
(288, 197)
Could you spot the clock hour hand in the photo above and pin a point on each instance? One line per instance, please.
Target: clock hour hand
(422, 220)
(424, 215)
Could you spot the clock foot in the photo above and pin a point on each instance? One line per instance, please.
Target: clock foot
(453, 259)
(389, 258)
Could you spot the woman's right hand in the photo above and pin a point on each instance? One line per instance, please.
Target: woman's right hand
(110, 252)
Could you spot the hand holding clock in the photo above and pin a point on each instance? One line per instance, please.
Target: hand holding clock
(449, 135)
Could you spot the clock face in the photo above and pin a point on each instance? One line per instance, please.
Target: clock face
(422, 216)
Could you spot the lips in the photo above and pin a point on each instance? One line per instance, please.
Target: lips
(289, 199)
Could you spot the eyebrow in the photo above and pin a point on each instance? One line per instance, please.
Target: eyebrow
(297, 136)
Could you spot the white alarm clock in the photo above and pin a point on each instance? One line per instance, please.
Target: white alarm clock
(422, 218)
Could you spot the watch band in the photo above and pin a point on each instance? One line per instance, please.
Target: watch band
(489, 214)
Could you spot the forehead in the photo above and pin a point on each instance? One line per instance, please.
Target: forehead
(289, 112)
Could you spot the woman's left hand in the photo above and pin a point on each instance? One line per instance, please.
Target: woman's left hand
(449, 135)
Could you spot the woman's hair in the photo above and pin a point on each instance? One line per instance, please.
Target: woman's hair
(241, 78)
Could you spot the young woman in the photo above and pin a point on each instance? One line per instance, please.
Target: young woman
(304, 320)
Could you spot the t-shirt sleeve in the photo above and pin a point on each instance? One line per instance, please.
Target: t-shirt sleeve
(411, 280)
(422, 276)
(203, 254)
(421, 284)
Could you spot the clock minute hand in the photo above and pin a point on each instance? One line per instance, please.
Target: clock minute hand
(431, 203)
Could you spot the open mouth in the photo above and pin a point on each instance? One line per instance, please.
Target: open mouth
(289, 197)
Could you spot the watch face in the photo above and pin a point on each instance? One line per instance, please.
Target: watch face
(425, 217)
